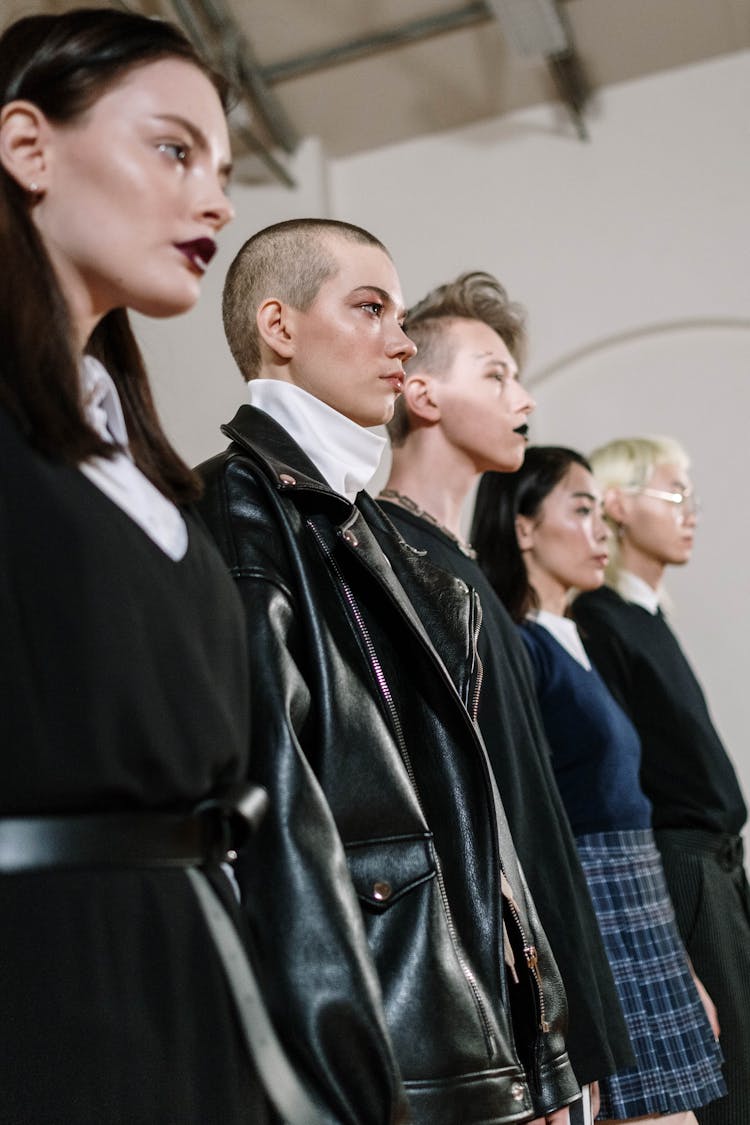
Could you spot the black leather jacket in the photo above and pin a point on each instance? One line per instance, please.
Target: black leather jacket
(350, 702)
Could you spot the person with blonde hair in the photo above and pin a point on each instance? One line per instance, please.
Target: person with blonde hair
(698, 807)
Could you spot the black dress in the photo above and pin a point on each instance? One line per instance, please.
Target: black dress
(698, 812)
(122, 687)
(511, 726)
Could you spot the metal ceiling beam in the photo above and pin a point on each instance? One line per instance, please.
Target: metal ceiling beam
(530, 27)
(541, 27)
(367, 45)
(238, 62)
(234, 57)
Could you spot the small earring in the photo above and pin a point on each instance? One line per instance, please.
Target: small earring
(33, 188)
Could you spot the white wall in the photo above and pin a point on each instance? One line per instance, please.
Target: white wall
(632, 254)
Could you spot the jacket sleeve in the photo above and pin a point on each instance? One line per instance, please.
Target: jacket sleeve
(550, 1075)
(310, 948)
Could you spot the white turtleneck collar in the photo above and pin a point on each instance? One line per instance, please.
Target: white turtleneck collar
(634, 589)
(345, 454)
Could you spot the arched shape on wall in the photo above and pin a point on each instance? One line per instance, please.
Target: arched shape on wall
(689, 378)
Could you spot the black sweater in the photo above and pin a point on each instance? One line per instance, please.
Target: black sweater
(122, 688)
(685, 770)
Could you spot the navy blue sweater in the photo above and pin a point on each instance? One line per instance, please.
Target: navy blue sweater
(596, 752)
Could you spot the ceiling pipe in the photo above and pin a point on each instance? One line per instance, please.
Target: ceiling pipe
(366, 45)
(233, 57)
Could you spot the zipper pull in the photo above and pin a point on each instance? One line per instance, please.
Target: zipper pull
(532, 960)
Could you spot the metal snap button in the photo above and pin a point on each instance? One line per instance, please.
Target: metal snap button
(287, 478)
(381, 892)
(351, 538)
(517, 1091)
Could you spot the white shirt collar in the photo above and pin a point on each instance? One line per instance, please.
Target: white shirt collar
(118, 476)
(634, 589)
(345, 454)
(101, 402)
(564, 630)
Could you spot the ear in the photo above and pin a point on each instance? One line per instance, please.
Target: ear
(418, 394)
(615, 506)
(24, 138)
(525, 532)
(274, 327)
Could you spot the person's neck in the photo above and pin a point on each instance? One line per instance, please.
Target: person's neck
(432, 479)
(550, 594)
(553, 600)
(648, 569)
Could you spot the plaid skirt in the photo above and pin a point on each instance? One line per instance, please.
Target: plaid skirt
(679, 1062)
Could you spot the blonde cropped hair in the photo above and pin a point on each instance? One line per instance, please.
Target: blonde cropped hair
(629, 463)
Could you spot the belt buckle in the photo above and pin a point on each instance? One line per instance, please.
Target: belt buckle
(230, 817)
(729, 855)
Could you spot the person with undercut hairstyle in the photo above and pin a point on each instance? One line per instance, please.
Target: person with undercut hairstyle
(464, 410)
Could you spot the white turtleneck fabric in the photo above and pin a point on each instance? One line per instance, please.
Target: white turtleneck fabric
(564, 630)
(118, 477)
(345, 454)
(634, 589)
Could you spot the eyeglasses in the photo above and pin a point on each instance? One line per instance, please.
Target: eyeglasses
(687, 503)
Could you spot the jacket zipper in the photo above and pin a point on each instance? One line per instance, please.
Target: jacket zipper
(398, 730)
(530, 953)
(477, 606)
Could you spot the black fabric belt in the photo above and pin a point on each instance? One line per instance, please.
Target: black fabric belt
(726, 848)
(210, 833)
(143, 839)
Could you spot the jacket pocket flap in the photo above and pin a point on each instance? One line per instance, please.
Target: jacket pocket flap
(382, 871)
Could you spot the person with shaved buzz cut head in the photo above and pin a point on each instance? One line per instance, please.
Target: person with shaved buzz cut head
(406, 969)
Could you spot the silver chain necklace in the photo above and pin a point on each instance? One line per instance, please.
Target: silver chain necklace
(411, 506)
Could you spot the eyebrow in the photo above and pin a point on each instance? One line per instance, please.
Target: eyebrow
(198, 137)
(384, 295)
(511, 366)
(584, 496)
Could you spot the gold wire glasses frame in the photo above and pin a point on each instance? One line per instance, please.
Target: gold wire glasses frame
(687, 503)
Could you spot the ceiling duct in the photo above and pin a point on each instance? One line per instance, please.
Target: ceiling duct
(531, 27)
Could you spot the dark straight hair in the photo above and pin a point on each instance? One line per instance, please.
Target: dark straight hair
(63, 64)
(500, 498)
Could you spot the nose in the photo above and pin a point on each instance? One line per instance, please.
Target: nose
(526, 403)
(399, 345)
(215, 208)
(601, 528)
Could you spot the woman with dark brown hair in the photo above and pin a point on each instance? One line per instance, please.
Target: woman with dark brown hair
(122, 666)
